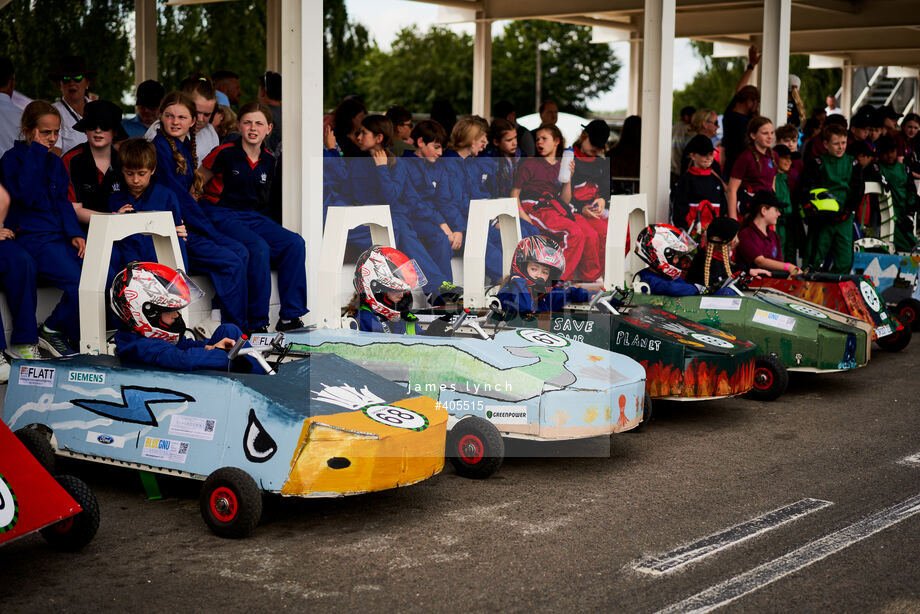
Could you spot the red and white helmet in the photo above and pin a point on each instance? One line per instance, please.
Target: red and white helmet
(665, 248)
(144, 291)
(386, 269)
(541, 250)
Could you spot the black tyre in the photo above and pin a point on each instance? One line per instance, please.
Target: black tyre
(896, 341)
(909, 313)
(475, 448)
(71, 534)
(770, 378)
(39, 446)
(231, 502)
(646, 414)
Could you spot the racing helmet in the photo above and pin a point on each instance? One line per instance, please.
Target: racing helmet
(541, 250)
(142, 292)
(822, 202)
(665, 248)
(386, 269)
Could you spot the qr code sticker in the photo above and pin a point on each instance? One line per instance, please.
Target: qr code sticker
(209, 426)
(183, 447)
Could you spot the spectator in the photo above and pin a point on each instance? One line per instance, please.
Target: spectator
(700, 194)
(890, 119)
(706, 123)
(346, 125)
(549, 115)
(72, 76)
(224, 122)
(506, 111)
(908, 145)
(832, 108)
(789, 227)
(147, 103)
(740, 110)
(903, 193)
(877, 125)
(681, 133)
(228, 82)
(443, 112)
(788, 136)
(795, 109)
(624, 158)
(755, 168)
(10, 114)
(270, 95)
(402, 129)
(758, 244)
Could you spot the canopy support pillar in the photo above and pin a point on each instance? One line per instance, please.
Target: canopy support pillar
(775, 60)
(482, 67)
(145, 41)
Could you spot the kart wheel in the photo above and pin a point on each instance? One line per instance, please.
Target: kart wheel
(770, 378)
(909, 313)
(230, 502)
(646, 414)
(38, 445)
(475, 448)
(71, 534)
(896, 341)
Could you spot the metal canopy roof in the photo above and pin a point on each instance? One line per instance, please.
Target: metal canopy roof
(864, 32)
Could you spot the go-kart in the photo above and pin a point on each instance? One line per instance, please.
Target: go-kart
(320, 427)
(790, 334)
(895, 278)
(849, 294)
(523, 383)
(62, 508)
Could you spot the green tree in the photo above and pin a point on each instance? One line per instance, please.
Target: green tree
(346, 46)
(420, 68)
(714, 86)
(35, 34)
(210, 37)
(574, 69)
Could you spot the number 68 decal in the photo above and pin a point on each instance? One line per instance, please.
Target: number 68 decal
(396, 416)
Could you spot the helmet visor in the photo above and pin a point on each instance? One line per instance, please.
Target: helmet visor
(179, 292)
(408, 272)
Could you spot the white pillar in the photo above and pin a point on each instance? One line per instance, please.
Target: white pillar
(482, 67)
(846, 88)
(775, 60)
(657, 89)
(635, 74)
(273, 35)
(145, 41)
(302, 95)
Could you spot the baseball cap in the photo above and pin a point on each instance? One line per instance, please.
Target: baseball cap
(598, 132)
(149, 94)
(784, 152)
(700, 144)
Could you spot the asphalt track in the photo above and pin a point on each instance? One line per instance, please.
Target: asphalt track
(801, 505)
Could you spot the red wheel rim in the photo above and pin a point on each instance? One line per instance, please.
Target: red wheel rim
(64, 526)
(224, 504)
(763, 378)
(470, 449)
(908, 315)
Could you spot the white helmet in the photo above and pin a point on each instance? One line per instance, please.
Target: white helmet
(385, 269)
(144, 291)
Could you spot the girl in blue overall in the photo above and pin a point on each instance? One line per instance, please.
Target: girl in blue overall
(384, 280)
(45, 222)
(223, 259)
(534, 285)
(238, 179)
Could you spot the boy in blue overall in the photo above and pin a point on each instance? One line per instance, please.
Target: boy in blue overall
(147, 297)
(238, 183)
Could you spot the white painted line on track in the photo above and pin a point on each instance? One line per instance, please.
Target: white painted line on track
(690, 553)
(812, 552)
(914, 459)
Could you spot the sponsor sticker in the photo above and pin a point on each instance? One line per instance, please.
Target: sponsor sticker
(713, 341)
(726, 303)
(543, 338)
(870, 295)
(396, 416)
(165, 449)
(190, 426)
(506, 414)
(261, 341)
(113, 441)
(809, 311)
(776, 320)
(86, 377)
(36, 376)
(9, 506)
(883, 331)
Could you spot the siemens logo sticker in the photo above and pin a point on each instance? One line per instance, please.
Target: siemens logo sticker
(86, 377)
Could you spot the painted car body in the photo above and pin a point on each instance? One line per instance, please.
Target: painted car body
(282, 430)
(847, 294)
(30, 499)
(895, 276)
(683, 360)
(801, 340)
(528, 383)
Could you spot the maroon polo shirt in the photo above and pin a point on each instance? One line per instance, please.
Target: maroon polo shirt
(753, 243)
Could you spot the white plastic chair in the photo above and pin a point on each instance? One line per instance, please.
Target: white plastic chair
(339, 220)
(886, 212)
(481, 214)
(104, 230)
(625, 210)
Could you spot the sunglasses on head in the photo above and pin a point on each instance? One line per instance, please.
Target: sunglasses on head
(74, 78)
